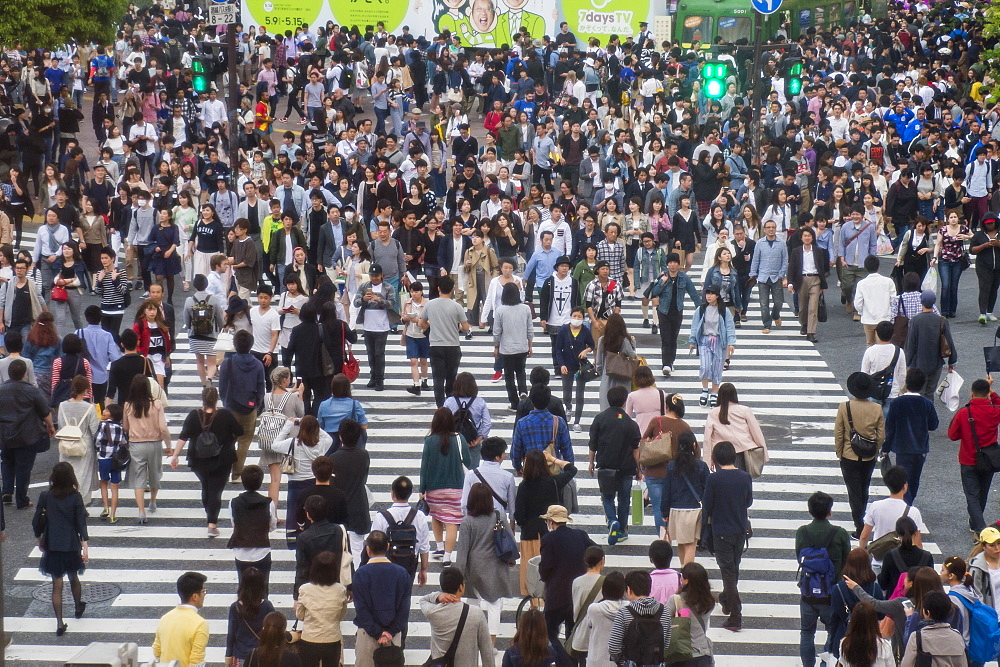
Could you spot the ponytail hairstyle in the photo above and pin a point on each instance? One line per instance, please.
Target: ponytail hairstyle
(686, 461)
(957, 567)
(906, 528)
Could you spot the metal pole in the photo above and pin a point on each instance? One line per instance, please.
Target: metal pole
(234, 102)
(755, 91)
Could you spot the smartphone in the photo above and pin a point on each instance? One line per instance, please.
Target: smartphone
(907, 605)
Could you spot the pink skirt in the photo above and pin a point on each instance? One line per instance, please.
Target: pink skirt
(445, 505)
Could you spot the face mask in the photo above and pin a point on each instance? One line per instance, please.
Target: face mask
(576, 322)
(142, 202)
(349, 215)
(48, 110)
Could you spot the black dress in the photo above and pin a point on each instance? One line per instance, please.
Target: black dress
(64, 530)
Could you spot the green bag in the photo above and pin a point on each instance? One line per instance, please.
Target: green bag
(680, 648)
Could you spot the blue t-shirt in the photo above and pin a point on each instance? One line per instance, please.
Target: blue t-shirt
(332, 411)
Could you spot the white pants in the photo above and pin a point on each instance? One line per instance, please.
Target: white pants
(492, 611)
(357, 547)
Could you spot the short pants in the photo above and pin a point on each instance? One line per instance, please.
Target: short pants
(418, 348)
(106, 474)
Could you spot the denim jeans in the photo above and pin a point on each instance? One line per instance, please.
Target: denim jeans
(976, 486)
(380, 116)
(15, 466)
(772, 297)
(623, 489)
(728, 554)
(950, 273)
(914, 464)
(809, 613)
(654, 485)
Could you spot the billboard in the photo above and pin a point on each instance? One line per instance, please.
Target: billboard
(485, 23)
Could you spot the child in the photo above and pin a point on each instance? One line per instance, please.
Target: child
(110, 436)
(666, 582)
(414, 338)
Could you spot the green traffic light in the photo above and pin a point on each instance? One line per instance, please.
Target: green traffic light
(715, 89)
(794, 87)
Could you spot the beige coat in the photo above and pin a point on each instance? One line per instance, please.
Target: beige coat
(743, 431)
(483, 258)
(322, 608)
(868, 422)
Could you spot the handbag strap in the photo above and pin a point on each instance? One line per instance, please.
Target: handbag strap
(255, 635)
(555, 432)
(690, 486)
(850, 419)
(680, 604)
(343, 339)
(291, 447)
(591, 596)
(663, 403)
(449, 655)
(483, 480)
(972, 427)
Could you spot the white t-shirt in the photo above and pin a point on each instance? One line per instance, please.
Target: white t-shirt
(562, 300)
(881, 515)
(878, 357)
(377, 319)
(263, 325)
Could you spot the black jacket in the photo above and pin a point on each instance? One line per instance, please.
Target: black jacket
(533, 499)
(446, 251)
(545, 298)
(306, 345)
(319, 537)
(613, 437)
(251, 521)
(561, 563)
(742, 260)
(22, 418)
(795, 266)
(67, 522)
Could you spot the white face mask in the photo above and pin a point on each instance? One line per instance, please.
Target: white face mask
(349, 215)
(142, 202)
(576, 322)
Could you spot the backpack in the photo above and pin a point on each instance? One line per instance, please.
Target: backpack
(102, 70)
(346, 77)
(71, 440)
(642, 645)
(984, 633)
(202, 318)
(271, 422)
(816, 574)
(207, 445)
(61, 392)
(402, 537)
(464, 423)
(882, 381)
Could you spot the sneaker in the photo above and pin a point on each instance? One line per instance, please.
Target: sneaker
(497, 376)
(438, 554)
(152, 507)
(468, 336)
(283, 119)
(424, 384)
(445, 563)
(213, 532)
(577, 428)
(703, 399)
(645, 323)
(667, 370)
(614, 531)
(622, 537)
(982, 320)
(656, 330)
(512, 408)
(415, 390)
(145, 295)
(990, 317)
(105, 514)
(113, 520)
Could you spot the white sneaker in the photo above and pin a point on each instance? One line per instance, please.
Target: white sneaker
(577, 428)
(667, 370)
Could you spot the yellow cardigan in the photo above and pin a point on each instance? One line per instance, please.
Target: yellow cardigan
(181, 635)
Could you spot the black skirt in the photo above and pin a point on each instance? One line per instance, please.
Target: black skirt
(60, 563)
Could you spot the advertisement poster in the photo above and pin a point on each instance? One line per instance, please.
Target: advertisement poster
(482, 23)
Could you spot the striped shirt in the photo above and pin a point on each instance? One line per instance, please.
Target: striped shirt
(112, 292)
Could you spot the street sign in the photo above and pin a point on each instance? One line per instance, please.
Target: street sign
(766, 6)
(222, 13)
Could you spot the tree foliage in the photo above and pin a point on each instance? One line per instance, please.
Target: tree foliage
(991, 57)
(48, 23)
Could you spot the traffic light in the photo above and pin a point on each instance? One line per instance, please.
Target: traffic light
(201, 80)
(713, 78)
(791, 73)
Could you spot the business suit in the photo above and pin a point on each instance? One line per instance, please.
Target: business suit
(808, 286)
(588, 165)
(561, 562)
(446, 259)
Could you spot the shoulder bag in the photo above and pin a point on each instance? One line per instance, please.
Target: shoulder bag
(992, 355)
(351, 368)
(944, 347)
(755, 459)
(288, 460)
(864, 448)
(900, 324)
(680, 648)
(619, 366)
(988, 457)
(224, 342)
(883, 545)
(551, 447)
(448, 659)
(504, 546)
(271, 422)
(657, 448)
(589, 600)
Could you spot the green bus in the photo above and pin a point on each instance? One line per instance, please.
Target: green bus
(704, 20)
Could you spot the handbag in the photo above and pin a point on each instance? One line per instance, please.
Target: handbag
(288, 460)
(988, 457)
(992, 355)
(59, 293)
(900, 325)
(821, 312)
(224, 343)
(388, 656)
(294, 634)
(944, 347)
(864, 448)
(680, 649)
(883, 545)
(755, 459)
(587, 371)
(351, 368)
(657, 448)
(448, 659)
(551, 447)
(884, 465)
(271, 422)
(454, 95)
(589, 600)
(504, 546)
(620, 367)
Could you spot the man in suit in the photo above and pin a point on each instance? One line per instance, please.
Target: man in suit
(807, 269)
(561, 562)
(319, 537)
(593, 169)
(923, 343)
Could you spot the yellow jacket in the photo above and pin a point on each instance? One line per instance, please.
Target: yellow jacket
(181, 635)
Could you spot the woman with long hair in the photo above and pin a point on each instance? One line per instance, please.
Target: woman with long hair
(908, 554)
(616, 340)
(154, 337)
(42, 346)
(310, 443)
(862, 645)
(94, 236)
(166, 260)
(287, 400)
(441, 479)
(210, 462)
(465, 395)
(723, 275)
(734, 422)
(531, 646)
(951, 260)
(71, 277)
(322, 605)
(146, 425)
(696, 596)
(713, 333)
(917, 582)
(858, 568)
(60, 525)
(486, 576)
(247, 617)
(273, 649)
(683, 488)
(78, 411)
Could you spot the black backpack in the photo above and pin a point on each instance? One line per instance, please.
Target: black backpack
(643, 641)
(61, 392)
(464, 423)
(882, 381)
(346, 77)
(207, 445)
(402, 537)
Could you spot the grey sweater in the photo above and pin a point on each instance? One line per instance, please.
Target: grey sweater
(512, 328)
(474, 647)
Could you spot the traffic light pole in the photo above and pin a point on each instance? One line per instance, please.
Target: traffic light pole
(234, 104)
(756, 88)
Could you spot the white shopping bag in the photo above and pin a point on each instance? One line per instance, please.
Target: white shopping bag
(930, 280)
(948, 390)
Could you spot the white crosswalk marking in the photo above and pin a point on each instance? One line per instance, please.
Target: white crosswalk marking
(780, 375)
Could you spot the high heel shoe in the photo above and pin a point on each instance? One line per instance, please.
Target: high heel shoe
(80, 607)
(61, 630)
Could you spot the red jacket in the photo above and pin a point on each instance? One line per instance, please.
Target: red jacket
(141, 328)
(986, 414)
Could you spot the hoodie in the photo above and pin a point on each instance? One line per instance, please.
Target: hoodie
(941, 641)
(980, 571)
(624, 618)
(597, 627)
(241, 383)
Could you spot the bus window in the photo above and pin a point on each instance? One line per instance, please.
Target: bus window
(696, 29)
(849, 10)
(805, 18)
(734, 28)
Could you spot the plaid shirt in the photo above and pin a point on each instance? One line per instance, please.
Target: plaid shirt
(110, 436)
(594, 297)
(614, 255)
(534, 431)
